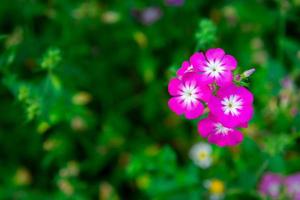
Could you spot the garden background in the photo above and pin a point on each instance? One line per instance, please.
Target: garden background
(83, 91)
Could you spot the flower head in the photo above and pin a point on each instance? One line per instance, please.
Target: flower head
(232, 106)
(217, 133)
(292, 184)
(214, 66)
(270, 185)
(207, 78)
(187, 95)
(201, 155)
(148, 15)
(216, 189)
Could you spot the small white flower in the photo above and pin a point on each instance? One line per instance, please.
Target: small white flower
(200, 153)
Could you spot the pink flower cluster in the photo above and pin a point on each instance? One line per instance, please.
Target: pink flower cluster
(206, 79)
(275, 186)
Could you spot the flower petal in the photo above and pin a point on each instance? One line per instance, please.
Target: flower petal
(175, 105)
(182, 70)
(205, 127)
(246, 95)
(173, 86)
(197, 59)
(229, 62)
(215, 54)
(195, 111)
(246, 114)
(234, 138)
(218, 139)
(225, 79)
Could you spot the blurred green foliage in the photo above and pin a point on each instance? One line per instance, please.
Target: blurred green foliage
(83, 90)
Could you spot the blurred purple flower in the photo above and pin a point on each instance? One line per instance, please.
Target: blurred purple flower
(287, 83)
(292, 184)
(270, 185)
(148, 15)
(174, 2)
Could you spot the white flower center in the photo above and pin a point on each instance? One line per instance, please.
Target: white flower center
(295, 188)
(232, 105)
(189, 93)
(214, 68)
(202, 155)
(273, 189)
(220, 129)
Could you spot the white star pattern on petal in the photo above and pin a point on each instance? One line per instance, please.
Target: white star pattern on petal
(214, 68)
(220, 129)
(189, 94)
(190, 69)
(232, 105)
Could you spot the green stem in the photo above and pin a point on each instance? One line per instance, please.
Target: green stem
(262, 168)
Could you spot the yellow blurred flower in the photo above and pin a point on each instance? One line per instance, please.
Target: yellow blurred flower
(106, 192)
(66, 187)
(82, 98)
(110, 17)
(87, 9)
(22, 177)
(70, 170)
(216, 188)
(78, 124)
(141, 39)
(50, 144)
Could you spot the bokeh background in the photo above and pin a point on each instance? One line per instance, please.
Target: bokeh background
(83, 91)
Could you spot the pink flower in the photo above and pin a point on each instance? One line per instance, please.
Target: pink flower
(232, 106)
(217, 133)
(187, 95)
(186, 67)
(292, 184)
(214, 66)
(270, 185)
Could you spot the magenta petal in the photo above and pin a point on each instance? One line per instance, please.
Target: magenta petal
(226, 91)
(243, 125)
(205, 92)
(173, 86)
(185, 65)
(246, 114)
(175, 105)
(229, 62)
(205, 127)
(197, 59)
(195, 111)
(228, 120)
(246, 95)
(235, 137)
(206, 79)
(218, 139)
(225, 79)
(215, 54)
(215, 106)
